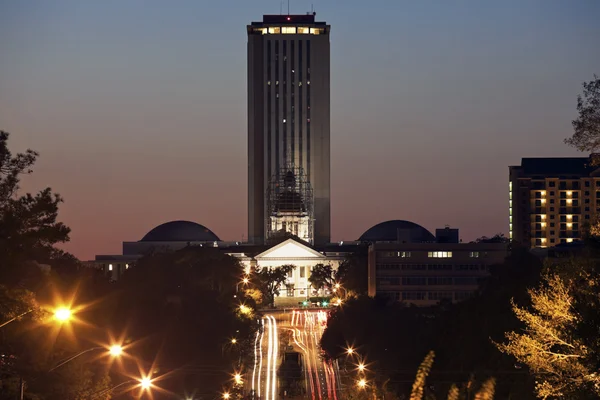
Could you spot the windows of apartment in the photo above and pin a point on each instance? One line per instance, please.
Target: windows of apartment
(474, 254)
(439, 254)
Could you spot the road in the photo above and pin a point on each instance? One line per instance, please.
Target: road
(321, 378)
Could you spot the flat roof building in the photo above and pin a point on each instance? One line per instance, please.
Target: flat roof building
(288, 129)
(551, 199)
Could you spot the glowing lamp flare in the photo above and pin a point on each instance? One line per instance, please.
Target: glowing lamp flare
(62, 314)
(245, 280)
(146, 383)
(233, 341)
(361, 367)
(362, 383)
(226, 395)
(238, 379)
(245, 309)
(115, 350)
(350, 351)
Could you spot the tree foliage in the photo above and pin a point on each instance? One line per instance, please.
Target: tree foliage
(321, 276)
(586, 135)
(353, 271)
(549, 344)
(269, 281)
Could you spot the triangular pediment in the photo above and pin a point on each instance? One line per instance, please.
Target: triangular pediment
(290, 249)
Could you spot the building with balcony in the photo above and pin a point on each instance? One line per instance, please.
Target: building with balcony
(550, 200)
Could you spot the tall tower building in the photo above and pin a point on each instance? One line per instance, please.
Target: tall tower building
(288, 128)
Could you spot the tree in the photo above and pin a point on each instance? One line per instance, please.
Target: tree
(586, 136)
(28, 223)
(322, 275)
(550, 344)
(354, 270)
(497, 238)
(269, 281)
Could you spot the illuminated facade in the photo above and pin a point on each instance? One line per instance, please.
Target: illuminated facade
(288, 127)
(551, 200)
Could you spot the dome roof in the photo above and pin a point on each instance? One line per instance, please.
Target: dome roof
(397, 230)
(180, 231)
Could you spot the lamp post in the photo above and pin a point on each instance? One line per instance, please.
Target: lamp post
(113, 351)
(244, 281)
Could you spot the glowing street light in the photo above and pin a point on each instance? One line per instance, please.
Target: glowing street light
(337, 285)
(245, 281)
(362, 383)
(238, 378)
(350, 351)
(233, 341)
(226, 395)
(62, 314)
(361, 367)
(244, 309)
(115, 350)
(338, 302)
(145, 383)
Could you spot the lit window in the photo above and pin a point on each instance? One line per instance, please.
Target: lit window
(110, 267)
(474, 254)
(269, 83)
(569, 193)
(316, 31)
(404, 254)
(274, 29)
(569, 216)
(509, 203)
(284, 120)
(303, 30)
(570, 240)
(288, 30)
(509, 185)
(126, 266)
(439, 254)
(569, 225)
(510, 235)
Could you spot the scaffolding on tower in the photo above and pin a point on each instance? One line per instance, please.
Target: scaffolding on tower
(290, 204)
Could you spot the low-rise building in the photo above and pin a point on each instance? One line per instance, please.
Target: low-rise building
(423, 269)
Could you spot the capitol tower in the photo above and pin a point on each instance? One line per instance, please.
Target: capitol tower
(288, 129)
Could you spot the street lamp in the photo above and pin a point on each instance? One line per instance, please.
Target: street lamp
(238, 378)
(361, 367)
(233, 341)
(145, 383)
(350, 351)
(362, 383)
(244, 309)
(226, 395)
(245, 281)
(62, 314)
(114, 351)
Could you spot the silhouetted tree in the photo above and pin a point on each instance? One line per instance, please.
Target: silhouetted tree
(586, 136)
(269, 281)
(322, 275)
(353, 271)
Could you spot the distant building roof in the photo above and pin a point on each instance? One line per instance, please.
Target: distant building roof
(556, 166)
(397, 230)
(180, 231)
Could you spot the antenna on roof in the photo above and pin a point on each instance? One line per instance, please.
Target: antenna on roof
(280, 7)
(288, 7)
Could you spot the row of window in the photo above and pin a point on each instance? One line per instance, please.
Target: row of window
(563, 185)
(289, 30)
(437, 296)
(430, 254)
(428, 281)
(431, 267)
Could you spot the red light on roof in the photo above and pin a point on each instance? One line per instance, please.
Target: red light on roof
(288, 18)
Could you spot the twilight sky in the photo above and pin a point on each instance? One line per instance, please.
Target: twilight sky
(138, 107)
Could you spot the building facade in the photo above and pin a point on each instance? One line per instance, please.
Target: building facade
(551, 200)
(288, 128)
(427, 273)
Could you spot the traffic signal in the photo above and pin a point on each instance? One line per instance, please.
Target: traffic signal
(325, 304)
(305, 303)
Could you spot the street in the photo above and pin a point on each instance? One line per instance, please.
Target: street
(304, 327)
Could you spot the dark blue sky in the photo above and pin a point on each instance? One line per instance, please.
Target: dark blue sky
(139, 107)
